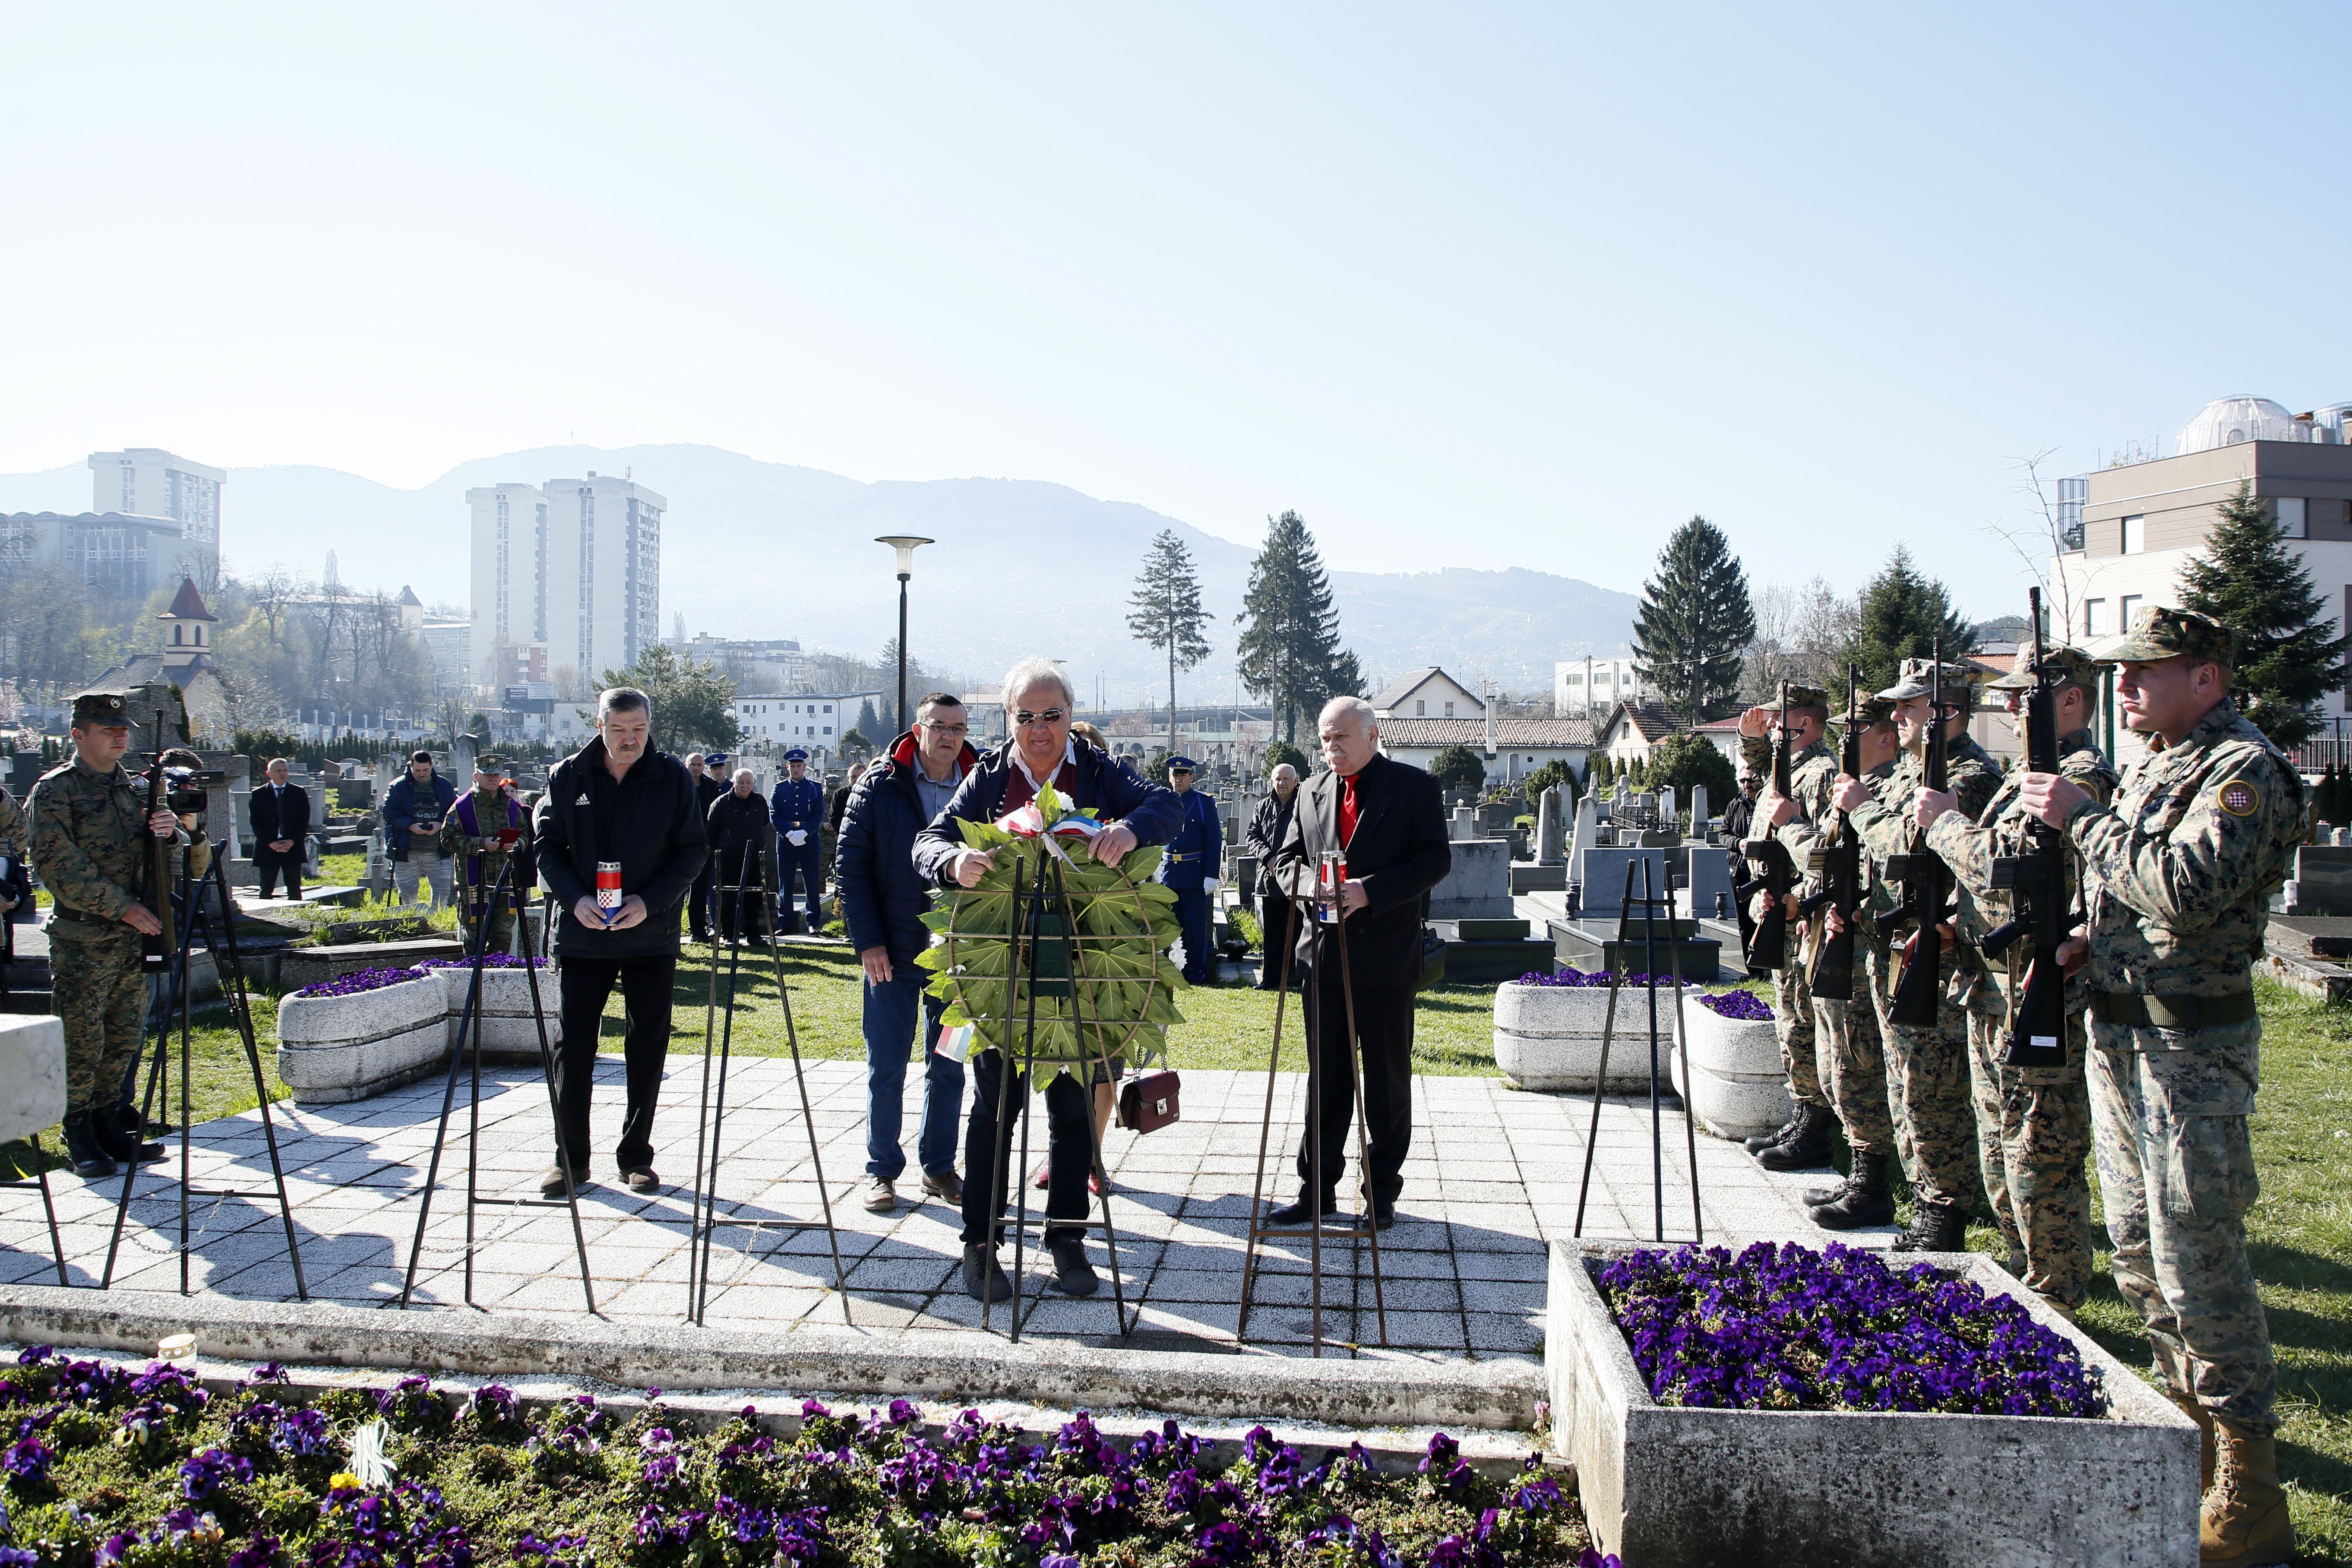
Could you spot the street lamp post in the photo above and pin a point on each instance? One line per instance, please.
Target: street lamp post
(905, 546)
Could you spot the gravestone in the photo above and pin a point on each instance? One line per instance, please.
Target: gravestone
(1584, 834)
(1478, 888)
(1700, 812)
(1666, 804)
(1460, 825)
(1551, 848)
(223, 810)
(462, 751)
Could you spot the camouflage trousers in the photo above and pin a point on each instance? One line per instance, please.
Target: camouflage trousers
(1792, 1021)
(1852, 1062)
(2177, 1175)
(1928, 1095)
(2034, 1129)
(501, 920)
(101, 998)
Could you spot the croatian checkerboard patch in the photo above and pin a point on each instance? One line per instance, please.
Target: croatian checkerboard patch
(2239, 798)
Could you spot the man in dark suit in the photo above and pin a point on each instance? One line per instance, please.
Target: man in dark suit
(279, 814)
(1388, 820)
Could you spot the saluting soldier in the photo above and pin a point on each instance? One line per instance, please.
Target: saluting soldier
(2033, 1124)
(1928, 1069)
(2180, 869)
(486, 828)
(1852, 1054)
(1189, 866)
(91, 830)
(1797, 819)
(796, 806)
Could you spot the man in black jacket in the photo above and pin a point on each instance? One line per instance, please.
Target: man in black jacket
(616, 799)
(279, 815)
(1388, 822)
(883, 899)
(709, 776)
(737, 826)
(1277, 921)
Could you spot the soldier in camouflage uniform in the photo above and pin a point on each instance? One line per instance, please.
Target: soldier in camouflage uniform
(2180, 869)
(1852, 1056)
(485, 827)
(89, 831)
(1797, 820)
(1927, 1068)
(2033, 1124)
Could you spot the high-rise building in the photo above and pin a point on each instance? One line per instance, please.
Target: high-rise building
(571, 568)
(147, 481)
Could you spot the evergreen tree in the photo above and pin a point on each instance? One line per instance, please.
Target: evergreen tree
(1601, 775)
(1458, 767)
(1280, 752)
(1289, 648)
(869, 722)
(1903, 615)
(1165, 612)
(1694, 622)
(2251, 580)
(1686, 760)
(691, 699)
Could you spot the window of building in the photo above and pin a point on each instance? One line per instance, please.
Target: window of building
(2094, 617)
(2072, 493)
(2126, 608)
(2135, 535)
(1419, 709)
(1449, 710)
(2294, 518)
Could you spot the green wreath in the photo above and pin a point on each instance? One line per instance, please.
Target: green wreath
(1108, 992)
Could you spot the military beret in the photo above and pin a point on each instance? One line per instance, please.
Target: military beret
(2075, 667)
(1801, 697)
(110, 708)
(797, 754)
(1916, 675)
(2158, 634)
(1180, 766)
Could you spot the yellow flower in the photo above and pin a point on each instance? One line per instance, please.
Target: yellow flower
(342, 1478)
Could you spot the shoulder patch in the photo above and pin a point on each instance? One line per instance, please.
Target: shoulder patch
(2239, 797)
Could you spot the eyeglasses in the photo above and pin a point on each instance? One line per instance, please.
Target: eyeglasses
(1050, 716)
(951, 729)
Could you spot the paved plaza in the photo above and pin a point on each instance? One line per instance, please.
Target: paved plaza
(1491, 1181)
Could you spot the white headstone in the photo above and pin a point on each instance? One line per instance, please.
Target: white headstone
(1700, 815)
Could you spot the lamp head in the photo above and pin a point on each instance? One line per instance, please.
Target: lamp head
(905, 546)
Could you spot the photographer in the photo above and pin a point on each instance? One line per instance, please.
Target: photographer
(413, 809)
(184, 779)
(486, 828)
(617, 801)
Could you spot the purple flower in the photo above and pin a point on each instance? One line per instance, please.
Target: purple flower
(364, 979)
(1743, 1005)
(493, 961)
(261, 1552)
(29, 1461)
(204, 1474)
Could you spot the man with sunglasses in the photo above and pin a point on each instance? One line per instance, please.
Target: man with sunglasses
(1039, 748)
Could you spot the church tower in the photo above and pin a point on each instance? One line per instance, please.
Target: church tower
(187, 635)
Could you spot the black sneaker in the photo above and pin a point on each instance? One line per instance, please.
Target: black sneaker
(1302, 1212)
(983, 1277)
(1073, 1275)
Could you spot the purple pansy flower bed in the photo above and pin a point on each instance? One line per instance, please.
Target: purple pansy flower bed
(362, 980)
(1789, 1328)
(1578, 977)
(1743, 1005)
(492, 961)
(118, 1468)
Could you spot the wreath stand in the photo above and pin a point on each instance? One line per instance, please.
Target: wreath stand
(1649, 906)
(1365, 1230)
(1030, 975)
(711, 1118)
(468, 1026)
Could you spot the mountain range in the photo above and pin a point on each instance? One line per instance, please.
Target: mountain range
(753, 549)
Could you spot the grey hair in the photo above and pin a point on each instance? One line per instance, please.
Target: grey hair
(1353, 706)
(692, 757)
(1032, 673)
(623, 699)
(742, 773)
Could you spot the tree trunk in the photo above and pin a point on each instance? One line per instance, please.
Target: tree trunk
(1171, 683)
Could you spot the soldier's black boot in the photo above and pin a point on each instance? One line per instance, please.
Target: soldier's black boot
(1806, 1148)
(1935, 1227)
(1777, 1134)
(116, 1141)
(90, 1162)
(1865, 1201)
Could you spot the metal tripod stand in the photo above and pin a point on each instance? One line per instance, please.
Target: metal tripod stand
(757, 894)
(1650, 906)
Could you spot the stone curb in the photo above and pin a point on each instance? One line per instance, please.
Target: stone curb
(1500, 1394)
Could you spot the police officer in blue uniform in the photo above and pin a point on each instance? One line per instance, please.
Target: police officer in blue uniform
(797, 809)
(1189, 866)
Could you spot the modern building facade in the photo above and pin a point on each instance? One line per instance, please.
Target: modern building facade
(1594, 687)
(115, 558)
(147, 481)
(571, 568)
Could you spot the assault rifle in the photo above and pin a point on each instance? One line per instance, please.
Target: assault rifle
(1838, 863)
(2035, 880)
(1927, 882)
(1776, 872)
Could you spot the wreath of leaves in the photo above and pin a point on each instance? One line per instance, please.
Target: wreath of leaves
(1121, 987)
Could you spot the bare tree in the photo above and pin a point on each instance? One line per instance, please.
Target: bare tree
(2039, 540)
(1802, 635)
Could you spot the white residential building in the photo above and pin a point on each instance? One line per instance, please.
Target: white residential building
(776, 721)
(572, 569)
(1593, 687)
(147, 481)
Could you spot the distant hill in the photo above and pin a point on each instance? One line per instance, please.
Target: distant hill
(758, 549)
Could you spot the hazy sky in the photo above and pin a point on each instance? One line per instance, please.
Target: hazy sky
(1474, 286)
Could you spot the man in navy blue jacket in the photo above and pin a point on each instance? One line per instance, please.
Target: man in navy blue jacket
(413, 809)
(1189, 866)
(883, 897)
(796, 806)
(1037, 703)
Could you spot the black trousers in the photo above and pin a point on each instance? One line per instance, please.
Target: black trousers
(743, 914)
(645, 985)
(1384, 1026)
(268, 865)
(1069, 1144)
(697, 904)
(1278, 920)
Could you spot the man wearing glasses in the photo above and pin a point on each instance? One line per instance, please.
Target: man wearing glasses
(883, 899)
(1037, 703)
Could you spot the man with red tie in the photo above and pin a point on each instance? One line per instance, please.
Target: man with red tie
(1387, 820)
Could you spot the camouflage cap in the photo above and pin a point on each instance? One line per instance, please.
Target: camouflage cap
(1801, 697)
(2159, 633)
(1916, 673)
(1875, 711)
(2076, 667)
(109, 709)
(487, 763)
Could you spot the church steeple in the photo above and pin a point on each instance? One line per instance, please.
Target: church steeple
(186, 639)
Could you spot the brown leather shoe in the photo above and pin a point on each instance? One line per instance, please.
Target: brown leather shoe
(2245, 1520)
(881, 1196)
(947, 1186)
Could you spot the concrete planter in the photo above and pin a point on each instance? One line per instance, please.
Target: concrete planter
(32, 1074)
(336, 1048)
(1548, 1038)
(1665, 1486)
(1742, 1091)
(507, 1030)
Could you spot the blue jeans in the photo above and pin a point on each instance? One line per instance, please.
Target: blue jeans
(889, 1040)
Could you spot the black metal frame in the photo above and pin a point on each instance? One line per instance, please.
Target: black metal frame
(1650, 906)
(1367, 1228)
(709, 1122)
(468, 1024)
(191, 900)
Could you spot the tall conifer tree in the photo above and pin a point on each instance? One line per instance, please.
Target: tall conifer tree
(1695, 619)
(1289, 648)
(1903, 614)
(1165, 612)
(2251, 580)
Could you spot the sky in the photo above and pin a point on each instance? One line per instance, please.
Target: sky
(1482, 286)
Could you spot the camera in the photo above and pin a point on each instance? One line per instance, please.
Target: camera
(187, 790)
